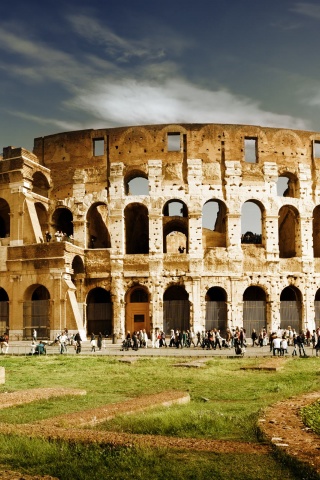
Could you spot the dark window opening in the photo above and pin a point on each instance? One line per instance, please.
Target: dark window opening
(174, 142)
(250, 150)
(98, 147)
(316, 149)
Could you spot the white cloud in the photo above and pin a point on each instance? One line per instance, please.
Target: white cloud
(175, 101)
(152, 46)
(307, 9)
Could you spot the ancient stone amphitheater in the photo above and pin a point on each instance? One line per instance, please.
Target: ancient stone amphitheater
(189, 226)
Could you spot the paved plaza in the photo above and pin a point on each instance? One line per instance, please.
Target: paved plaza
(115, 349)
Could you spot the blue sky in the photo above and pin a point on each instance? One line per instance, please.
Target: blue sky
(69, 65)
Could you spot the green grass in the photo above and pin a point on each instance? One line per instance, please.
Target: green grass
(311, 416)
(225, 404)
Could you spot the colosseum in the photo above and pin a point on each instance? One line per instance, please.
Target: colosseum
(191, 226)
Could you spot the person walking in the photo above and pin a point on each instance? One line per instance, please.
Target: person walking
(99, 341)
(93, 342)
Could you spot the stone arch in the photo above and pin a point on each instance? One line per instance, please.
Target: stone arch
(176, 309)
(137, 309)
(288, 231)
(40, 184)
(99, 312)
(136, 183)
(4, 311)
(288, 185)
(216, 309)
(36, 311)
(316, 231)
(136, 139)
(291, 308)
(175, 227)
(252, 222)
(62, 221)
(97, 232)
(317, 308)
(288, 138)
(214, 217)
(4, 218)
(254, 309)
(77, 265)
(136, 228)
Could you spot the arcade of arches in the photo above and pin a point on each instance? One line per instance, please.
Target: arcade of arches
(161, 227)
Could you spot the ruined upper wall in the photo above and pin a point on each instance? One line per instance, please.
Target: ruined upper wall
(214, 144)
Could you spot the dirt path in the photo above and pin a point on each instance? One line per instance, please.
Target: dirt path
(281, 425)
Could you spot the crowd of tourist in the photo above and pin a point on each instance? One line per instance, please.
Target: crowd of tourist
(280, 342)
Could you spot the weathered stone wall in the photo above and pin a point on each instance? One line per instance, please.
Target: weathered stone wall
(205, 162)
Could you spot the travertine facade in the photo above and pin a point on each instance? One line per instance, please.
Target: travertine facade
(128, 199)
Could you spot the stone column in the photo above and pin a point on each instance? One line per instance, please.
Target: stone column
(18, 211)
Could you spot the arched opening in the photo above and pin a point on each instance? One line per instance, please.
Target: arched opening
(40, 184)
(136, 183)
(137, 310)
(216, 309)
(4, 311)
(99, 312)
(176, 309)
(137, 228)
(317, 308)
(254, 310)
(288, 231)
(175, 227)
(251, 223)
(62, 221)
(287, 185)
(77, 265)
(36, 312)
(316, 232)
(4, 219)
(98, 234)
(291, 308)
(214, 224)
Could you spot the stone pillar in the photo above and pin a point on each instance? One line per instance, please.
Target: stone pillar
(116, 227)
(271, 237)
(155, 229)
(194, 288)
(194, 175)
(195, 227)
(118, 301)
(270, 172)
(16, 308)
(305, 182)
(80, 233)
(18, 211)
(155, 177)
(235, 306)
(305, 245)
(116, 188)
(156, 305)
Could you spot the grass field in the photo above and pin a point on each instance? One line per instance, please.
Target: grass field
(225, 405)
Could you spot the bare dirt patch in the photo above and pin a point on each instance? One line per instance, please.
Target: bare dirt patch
(282, 426)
